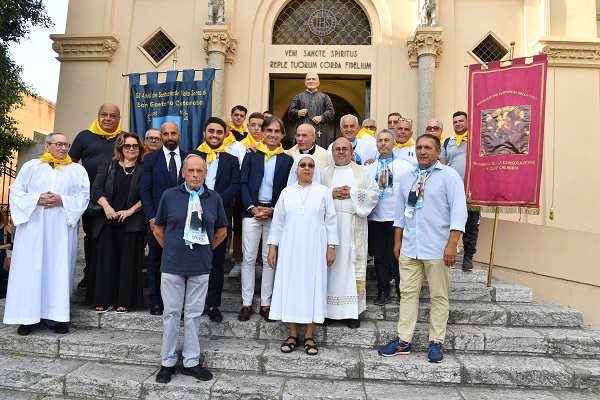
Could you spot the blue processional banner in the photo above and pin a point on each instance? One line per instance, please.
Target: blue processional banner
(188, 103)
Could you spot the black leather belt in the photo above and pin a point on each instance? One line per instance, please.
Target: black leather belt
(264, 204)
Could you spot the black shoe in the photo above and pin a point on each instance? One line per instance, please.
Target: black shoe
(156, 308)
(245, 313)
(467, 264)
(382, 298)
(202, 374)
(24, 330)
(164, 375)
(353, 323)
(83, 284)
(214, 314)
(327, 322)
(61, 328)
(265, 314)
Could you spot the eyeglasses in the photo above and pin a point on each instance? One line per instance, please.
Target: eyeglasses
(410, 121)
(304, 165)
(433, 128)
(341, 149)
(61, 145)
(106, 115)
(131, 146)
(152, 139)
(371, 128)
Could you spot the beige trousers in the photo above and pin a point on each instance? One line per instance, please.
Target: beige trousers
(412, 275)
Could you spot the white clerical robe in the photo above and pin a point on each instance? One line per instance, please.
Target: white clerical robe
(45, 248)
(346, 295)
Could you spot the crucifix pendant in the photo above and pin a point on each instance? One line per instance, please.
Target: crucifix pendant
(319, 133)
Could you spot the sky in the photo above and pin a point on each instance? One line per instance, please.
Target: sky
(40, 66)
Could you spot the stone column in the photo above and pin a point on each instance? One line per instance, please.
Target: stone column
(423, 51)
(219, 47)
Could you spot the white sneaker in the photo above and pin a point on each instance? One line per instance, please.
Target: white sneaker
(236, 271)
(259, 269)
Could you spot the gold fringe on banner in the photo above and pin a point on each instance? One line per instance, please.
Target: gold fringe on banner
(505, 210)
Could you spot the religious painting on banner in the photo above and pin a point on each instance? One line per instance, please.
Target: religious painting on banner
(505, 147)
(188, 103)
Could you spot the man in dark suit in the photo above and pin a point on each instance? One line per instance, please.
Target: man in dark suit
(223, 177)
(264, 176)
(160, 171)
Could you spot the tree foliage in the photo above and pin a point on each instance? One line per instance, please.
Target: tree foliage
(17, 17)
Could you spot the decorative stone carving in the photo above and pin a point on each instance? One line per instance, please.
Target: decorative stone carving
(91, 47)
(216, 40)
(216, 12)
(428, 13)
(572, 53)
(229, 56)
(427, 41)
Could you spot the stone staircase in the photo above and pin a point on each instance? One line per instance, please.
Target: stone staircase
(501, 344)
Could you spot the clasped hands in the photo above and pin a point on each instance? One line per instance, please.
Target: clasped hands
(49, 199)
(317, 120)
(341, 192)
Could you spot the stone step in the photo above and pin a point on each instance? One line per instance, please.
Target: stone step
(334, 372)
(136, 338)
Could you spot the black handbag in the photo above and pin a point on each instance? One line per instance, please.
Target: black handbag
(94, 210)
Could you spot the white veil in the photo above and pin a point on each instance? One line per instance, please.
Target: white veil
(293, 177)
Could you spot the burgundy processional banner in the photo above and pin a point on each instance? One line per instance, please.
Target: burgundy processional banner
(506, 124)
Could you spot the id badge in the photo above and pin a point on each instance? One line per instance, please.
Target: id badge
(412, 199)
(196, 236)
(409, 212)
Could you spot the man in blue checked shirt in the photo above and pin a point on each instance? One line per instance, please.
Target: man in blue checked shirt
(430, 216)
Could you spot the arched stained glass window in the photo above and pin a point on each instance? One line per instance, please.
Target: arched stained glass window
(322, 22)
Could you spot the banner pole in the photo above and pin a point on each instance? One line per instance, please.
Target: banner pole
(491, 265)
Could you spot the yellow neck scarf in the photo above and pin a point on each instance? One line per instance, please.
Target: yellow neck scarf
(408, 143)
(211, 154)
(460, 138)
(264, 149)
(364, 131)
(49, 158)
(240, 130)
(229, 140)
(442, 140)
(248, 140)
(95, 128)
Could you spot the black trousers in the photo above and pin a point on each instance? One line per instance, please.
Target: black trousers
(88, 243)
(381, 243)
(217, 275)
(471, 233)
(153, 267)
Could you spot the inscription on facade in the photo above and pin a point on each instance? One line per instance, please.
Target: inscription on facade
(310, 59)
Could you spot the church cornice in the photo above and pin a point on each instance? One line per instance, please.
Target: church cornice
(570, 52)
(217, 39)
(90, 47)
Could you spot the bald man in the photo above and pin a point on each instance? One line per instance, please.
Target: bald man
(160, 171)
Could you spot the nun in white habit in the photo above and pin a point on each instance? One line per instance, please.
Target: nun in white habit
(302, 243)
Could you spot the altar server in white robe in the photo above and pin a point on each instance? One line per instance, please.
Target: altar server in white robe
(355, 193)
(302, 241)
(47, 199)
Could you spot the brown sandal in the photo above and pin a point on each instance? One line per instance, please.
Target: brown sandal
(311, 349)
(288, 347)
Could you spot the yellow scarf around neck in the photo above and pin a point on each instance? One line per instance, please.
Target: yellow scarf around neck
(264, 149)
(211, 154)
(243, 129)
(229, 140)
(95, 128)
(408, 143)
(460, 138)
(248, 140)
(364, 131)
(49, 158)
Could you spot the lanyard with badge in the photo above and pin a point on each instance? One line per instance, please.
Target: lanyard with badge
(415, 196)
(385, 178)
(194, 231)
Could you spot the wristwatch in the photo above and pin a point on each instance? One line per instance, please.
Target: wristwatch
(331, 246)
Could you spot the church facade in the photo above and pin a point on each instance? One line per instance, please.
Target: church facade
(375, 57)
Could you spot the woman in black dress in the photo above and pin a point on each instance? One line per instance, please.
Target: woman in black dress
(119, 236)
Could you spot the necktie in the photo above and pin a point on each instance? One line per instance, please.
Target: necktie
(173, 169)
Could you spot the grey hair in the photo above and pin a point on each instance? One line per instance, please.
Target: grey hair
(438, 121)
(370, 119)
(48, 138)
(108, 104)
(190, 156)
(350, 115)
(150, 130)
(384, 131)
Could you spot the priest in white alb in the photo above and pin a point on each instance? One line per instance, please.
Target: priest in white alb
(355, 194)
(47, 199)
